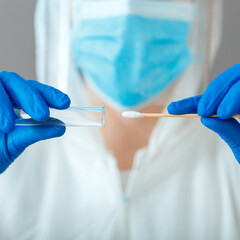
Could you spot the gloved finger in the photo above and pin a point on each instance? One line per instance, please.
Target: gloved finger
(22, 137)
(228, 130)
(184, 106)
(52, 96)
(230, 103)
(25, 96)
(4, 154)
(7, 116)
(217, 90)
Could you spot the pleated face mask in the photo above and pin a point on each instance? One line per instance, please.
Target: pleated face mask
(131, 51)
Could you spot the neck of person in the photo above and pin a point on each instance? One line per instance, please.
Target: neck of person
(123, 137)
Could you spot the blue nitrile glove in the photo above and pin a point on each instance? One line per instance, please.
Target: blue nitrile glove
(222, 97)
(34, 98)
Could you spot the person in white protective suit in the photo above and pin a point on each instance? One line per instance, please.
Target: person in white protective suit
(134, 179)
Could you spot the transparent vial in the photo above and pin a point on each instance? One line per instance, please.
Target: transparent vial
(71, 117)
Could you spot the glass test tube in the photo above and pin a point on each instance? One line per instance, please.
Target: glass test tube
(71, 117)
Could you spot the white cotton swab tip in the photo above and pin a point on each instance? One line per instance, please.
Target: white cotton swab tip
(132, 114)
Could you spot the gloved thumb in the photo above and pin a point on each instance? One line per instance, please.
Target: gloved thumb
(184, 106)
(228, 130)
(22, 137)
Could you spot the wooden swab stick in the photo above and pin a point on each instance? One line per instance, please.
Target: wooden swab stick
(132, 114)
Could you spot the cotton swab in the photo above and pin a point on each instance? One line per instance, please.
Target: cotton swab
(133, 114)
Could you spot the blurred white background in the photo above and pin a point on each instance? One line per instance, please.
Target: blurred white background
(17, 37)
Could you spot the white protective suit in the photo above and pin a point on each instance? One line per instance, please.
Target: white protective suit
(185, 185)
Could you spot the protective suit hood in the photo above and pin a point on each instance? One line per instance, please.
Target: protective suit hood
(55, 66)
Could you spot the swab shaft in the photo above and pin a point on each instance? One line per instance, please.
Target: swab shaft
(159, 115)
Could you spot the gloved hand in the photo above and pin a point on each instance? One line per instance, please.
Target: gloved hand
(34, 98)
(222, 97)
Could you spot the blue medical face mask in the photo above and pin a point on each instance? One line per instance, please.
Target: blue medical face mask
(130, 59)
